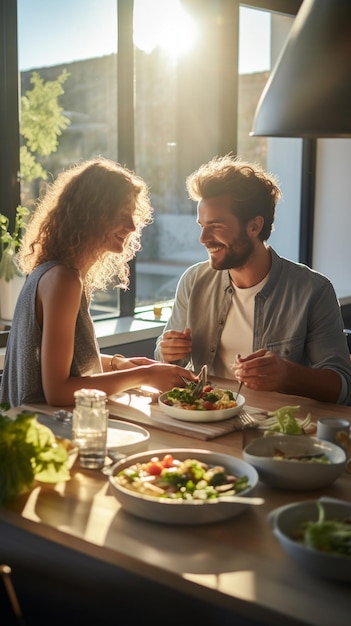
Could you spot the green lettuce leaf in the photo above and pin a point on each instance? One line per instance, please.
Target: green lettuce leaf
(28, 452)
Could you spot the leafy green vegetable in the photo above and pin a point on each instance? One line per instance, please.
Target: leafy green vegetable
(28, 452)
(182, 394)
(286, 421)
(327, 535)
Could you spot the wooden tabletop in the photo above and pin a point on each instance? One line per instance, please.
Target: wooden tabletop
(237, 563)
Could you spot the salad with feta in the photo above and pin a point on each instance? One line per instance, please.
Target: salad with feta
(211, 398)
(172, 478)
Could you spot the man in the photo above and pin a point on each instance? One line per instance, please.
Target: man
(273, 323)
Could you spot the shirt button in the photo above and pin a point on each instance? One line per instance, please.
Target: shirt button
(221, 322)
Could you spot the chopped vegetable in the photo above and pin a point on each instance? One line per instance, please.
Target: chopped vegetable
(286, 422)
(332, 536)
(211, 399)
(170, 478)
(28, 452)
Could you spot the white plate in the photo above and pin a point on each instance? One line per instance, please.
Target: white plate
(181, 511)
(125, 437)
(200, 416)
(122, 437)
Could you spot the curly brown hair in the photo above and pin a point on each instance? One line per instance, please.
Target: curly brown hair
(73, 217)
(253, 191)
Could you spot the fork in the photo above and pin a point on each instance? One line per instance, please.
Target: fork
(201, 382)
(247, 419)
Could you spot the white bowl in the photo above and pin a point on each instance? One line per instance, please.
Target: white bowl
(126, 438)
(286, 520)
(200, 416)
(181, 511)
(289, 474)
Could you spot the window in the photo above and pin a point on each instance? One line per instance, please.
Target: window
(178, 111)
(173, 107)
(79, 37)
(188, 104)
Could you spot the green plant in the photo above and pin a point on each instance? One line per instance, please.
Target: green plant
(41, 123)
(10, 242)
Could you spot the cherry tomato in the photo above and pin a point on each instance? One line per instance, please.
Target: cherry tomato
(208, 406)
(207, 388)
(154, 468)
(167, 460)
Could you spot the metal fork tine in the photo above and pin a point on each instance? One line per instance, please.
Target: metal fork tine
(202, 382)
(247, 419)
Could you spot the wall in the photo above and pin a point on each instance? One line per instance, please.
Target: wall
(332, 228)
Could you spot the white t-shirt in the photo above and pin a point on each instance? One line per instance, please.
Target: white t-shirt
(237, 335)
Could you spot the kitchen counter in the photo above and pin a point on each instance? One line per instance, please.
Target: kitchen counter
(118, 331)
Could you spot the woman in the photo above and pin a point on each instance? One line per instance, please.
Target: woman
(82, 234)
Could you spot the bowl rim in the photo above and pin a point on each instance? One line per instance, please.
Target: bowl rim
(323, 444)
(123, 425)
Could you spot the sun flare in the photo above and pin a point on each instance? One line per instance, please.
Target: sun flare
(163, 24)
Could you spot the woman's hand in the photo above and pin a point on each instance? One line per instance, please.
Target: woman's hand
(165, 376)
(144, 371)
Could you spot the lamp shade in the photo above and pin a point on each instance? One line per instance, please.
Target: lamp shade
(309, 91)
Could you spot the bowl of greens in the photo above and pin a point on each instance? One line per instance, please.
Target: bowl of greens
(297, 462)
(316, 534)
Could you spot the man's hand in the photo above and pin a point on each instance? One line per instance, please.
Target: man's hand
(262, 370)
(176, 345)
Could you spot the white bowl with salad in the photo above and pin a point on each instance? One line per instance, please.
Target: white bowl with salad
(297, 462)
(215, 404)
(316, 534)
(183, 485)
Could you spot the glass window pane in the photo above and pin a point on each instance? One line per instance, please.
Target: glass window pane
(78, 37)
(262, 35)
(172, 109)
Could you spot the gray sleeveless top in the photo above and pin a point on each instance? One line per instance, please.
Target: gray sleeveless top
(21, 379)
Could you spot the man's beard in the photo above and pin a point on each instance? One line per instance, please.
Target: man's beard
(236, 256)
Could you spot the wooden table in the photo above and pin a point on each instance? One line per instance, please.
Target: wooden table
(237, 565)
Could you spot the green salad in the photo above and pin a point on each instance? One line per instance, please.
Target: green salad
(29, 452)
(211, 398)
(284, 421)
(332, 536)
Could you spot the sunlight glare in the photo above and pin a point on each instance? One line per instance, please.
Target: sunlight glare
(164, 24)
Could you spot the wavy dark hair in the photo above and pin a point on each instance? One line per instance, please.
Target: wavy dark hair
(75, 214)
(253, 191)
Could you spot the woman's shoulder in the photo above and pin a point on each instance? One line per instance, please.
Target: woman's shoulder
(54, 269)
(59, 276)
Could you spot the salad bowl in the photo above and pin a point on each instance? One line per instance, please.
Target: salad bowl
(203, 415)
(297, 462)
(184, 511)
(287, 524)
